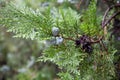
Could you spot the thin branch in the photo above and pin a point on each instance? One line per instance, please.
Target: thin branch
(104, 47)
(91, 40)
(114, 15)
(106, 13)
(69, 39)
(96, 41)
(104, 17)
(102, 44)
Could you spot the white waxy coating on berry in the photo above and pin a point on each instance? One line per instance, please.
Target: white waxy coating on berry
(118, 2)
(53, 41)
(55, 31)
(59, 40)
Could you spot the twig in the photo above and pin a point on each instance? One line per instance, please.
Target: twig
(69, 38)
(91, 40)
(114, 15)
(104, 47)
(102, 44)
(105, 15)
(96, 41)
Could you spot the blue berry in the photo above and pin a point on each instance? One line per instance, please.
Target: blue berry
(55, 31)
(59, 40)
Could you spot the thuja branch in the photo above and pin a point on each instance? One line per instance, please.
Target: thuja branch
(92, 41)
(85, 42)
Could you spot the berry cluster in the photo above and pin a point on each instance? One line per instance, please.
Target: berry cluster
(58, 39)
(84, 43)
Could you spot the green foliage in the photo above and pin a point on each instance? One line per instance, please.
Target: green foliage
(23, 76)
(45, 74)
(67, 20)
(25, 22)
(73, 62)
(90, 24)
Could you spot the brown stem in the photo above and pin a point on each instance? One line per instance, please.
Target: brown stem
(91, 40)
(96, 41)
(69, 38)
(114, 15)
(102, 44)
(106, 13)
(104, 17)
(104, 47)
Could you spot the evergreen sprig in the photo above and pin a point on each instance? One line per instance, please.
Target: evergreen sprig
(75, 64)
(90, 20)
(25, 22)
